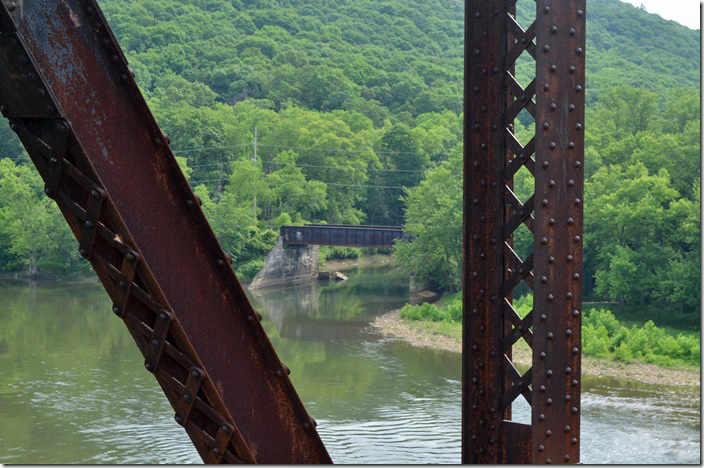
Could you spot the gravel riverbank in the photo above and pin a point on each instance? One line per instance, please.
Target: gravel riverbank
(422, 334)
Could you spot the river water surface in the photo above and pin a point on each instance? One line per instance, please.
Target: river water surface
(73, 388)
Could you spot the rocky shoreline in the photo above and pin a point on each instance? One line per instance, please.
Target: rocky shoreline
(418, 334)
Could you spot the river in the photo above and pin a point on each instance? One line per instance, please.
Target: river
(73, 388)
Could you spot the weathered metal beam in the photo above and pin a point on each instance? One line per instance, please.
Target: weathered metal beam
(494, 40)
(558, 229)
(66, 87)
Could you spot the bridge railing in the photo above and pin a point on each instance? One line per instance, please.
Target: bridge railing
(342, 235)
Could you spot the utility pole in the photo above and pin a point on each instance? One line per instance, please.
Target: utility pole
(254, 143)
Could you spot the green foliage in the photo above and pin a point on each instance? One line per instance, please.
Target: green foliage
(338, 253)
(604, 336)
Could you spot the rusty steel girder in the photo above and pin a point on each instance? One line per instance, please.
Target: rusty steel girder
(494, 40)
(68, 93)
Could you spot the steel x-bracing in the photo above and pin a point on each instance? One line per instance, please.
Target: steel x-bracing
(494, 212)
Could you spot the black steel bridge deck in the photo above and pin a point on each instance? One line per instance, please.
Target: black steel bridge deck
(347, 235)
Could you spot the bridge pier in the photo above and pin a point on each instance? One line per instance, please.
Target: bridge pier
(288, 265)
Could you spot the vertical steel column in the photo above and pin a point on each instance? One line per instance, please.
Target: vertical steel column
(485, 46)
(558, 229)
(493, 212)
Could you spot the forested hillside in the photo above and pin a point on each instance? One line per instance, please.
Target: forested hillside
(357, 101)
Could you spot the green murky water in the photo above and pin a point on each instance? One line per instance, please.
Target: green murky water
(73, 388)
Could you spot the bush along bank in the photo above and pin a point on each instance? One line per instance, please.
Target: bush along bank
(603, 335)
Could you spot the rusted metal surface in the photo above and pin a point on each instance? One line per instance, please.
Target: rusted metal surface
(494, 40)
(485, 40)
(70, 96)
(342, 235)
(558, 229)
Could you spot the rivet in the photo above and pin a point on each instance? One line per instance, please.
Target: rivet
(541, 448)
(541, 417)
(494, 127)
(476, 51)
(553, 106)
(553, 29)
(477, 14)
(481, 328)
(572, 108)
(548, 433)
(548, 461)
(552, 145)
(553, 68)
(155, 343)
(569, 295)
(551, 259)
(546, 9)
(570, 258)
(220, 262)
(578, 126)
(114, 58)
(542, 355)
(574, 410)
(550, 336)
(567, 458)
(186, 398)
(577, 238)
(476, 89)
(545, 202)
(475, 311)
(493, 298)
(483, 109)
(575, 350)
(482, 182)
(130, 257)
(178, 419)
(568, 428)
(568, 398)
(545, 164)
(548, 401)
(577, 164)
(551, 221)
(41, 92)
(96, 194)
(495, 70)
(157, 141)
(492, 354)
(549, 372)
(551, 183)
(123, 284)
(577, 201)
(482, 146)
(31, 75)
(481, 365)
(575, 313)
(570, 183)
(575, 276)
(475, 274)
(578, 88)
(195, 374)
(116, 310)
(216, 451)
(574, 441)
(11, 7)
(544, 240)
(550, 297)
(481, 391)
(474, 436)
(546, 87)
(570, 221)
(279, 373)
(148, 366)
(189, 203)
(579, 51)
(543, 317)
(83, 251)
(124, 77)
(573, 31)
(541, 388)
(580, 13)
(546, 48)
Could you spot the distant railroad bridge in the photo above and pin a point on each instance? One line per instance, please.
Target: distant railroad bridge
(344, 235)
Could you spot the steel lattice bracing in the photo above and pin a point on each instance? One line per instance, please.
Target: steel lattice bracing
(494, 41)
(67, 90)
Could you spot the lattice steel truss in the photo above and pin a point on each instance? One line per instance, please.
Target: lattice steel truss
(494, 98)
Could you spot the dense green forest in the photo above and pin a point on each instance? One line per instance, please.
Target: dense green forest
(357, 108)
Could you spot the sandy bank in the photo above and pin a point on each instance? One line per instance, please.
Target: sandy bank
(421, 334)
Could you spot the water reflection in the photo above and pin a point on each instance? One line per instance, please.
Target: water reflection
(73, 388)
